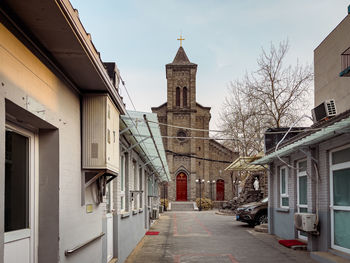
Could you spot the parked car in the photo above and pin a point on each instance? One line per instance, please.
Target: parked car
(254, 213)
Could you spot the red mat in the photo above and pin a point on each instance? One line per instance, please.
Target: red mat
(291, 243)
(150, 233)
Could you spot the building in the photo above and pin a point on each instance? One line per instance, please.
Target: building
(310, 172)
(73, 189)
(191, 159)
(136, 191)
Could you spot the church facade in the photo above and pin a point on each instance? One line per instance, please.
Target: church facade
(196, 163)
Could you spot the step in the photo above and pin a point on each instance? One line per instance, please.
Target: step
(327, 257)
(182, 206)
(263, 228)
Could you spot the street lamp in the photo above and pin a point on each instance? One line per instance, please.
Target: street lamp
(211, 183)
(200, 181)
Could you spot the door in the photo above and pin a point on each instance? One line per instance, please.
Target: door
(181, 187)
(109, 219)
(19, 229)
(302, 193)
(340, 198)
(220, 190)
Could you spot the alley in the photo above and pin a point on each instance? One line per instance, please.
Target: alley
(207, 237)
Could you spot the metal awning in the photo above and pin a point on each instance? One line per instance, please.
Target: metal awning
(244, 163)
(325, 133)
(154, 150)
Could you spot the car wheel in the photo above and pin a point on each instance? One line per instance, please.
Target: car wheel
(262, 219)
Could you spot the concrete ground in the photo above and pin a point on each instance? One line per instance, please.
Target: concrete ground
(207, 237)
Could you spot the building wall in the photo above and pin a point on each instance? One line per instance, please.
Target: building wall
(327, 66)
(281, 221)
(29, 84)
(130, 225)
(195, 116)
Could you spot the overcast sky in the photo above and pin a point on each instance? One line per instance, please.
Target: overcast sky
(224, 37)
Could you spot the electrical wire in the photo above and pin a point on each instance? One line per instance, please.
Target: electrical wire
(220, 131)
(196, 157)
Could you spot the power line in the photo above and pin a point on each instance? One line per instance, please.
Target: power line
(196, 157)
(200, 138)
(127, 92)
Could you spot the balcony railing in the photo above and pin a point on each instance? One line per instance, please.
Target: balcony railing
(345, 63)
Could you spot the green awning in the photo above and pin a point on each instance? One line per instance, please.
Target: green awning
(138, 127)
(325, 133)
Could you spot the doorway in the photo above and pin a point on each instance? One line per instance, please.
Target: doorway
(181, 187)
(19, 196)
(340, 198)
(220, 190)
(302, 193)
(109, 219)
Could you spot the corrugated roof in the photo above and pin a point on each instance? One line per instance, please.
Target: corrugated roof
(316, 137)
(135, 121)
(244, 163)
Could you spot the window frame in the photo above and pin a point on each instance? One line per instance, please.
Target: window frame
(283, 195)
(122, 183)
(301, 174)
(333, 208)
(31, 231)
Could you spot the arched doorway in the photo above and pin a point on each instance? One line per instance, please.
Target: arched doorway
(220, 190)
(181, 187)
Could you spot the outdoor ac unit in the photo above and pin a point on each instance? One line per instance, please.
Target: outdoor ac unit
(100, 128)
(305, 222)
(155, 214)
(324, 110)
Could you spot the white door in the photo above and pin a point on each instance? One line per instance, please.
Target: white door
(109, 216)
(340, 198)
(19, 196)
(302, 193)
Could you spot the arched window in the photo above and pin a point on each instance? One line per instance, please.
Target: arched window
(177, 96)
(185, 97)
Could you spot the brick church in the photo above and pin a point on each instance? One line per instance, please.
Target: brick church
(191, 159)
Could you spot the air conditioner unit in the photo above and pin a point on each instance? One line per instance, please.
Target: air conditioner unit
(305, 222)
(325, 110)
(100, 128)
(155, 214)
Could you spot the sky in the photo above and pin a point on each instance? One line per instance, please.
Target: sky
(224, 37)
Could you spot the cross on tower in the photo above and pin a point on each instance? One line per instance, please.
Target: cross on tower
(180, 40)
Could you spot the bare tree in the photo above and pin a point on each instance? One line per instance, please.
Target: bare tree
(273, 96)
(240, 120)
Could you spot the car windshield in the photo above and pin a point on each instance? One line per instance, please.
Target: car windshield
(264, 200)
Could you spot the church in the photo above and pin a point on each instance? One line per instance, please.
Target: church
(196, 162)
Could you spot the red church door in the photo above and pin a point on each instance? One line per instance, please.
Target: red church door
(181, 187)
(220, 190)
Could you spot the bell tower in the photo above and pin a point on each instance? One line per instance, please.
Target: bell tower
(181, 82)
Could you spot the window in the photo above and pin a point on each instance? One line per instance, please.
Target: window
(17, 182)
(140, 188)
(184, 97)
(122, 183)
(181, 135)
(302, 192)
(177, 96)
(109, 197)
(340, 198)
(284, 199)
(135, 194)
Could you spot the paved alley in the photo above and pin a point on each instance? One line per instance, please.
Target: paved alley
(207, 237)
